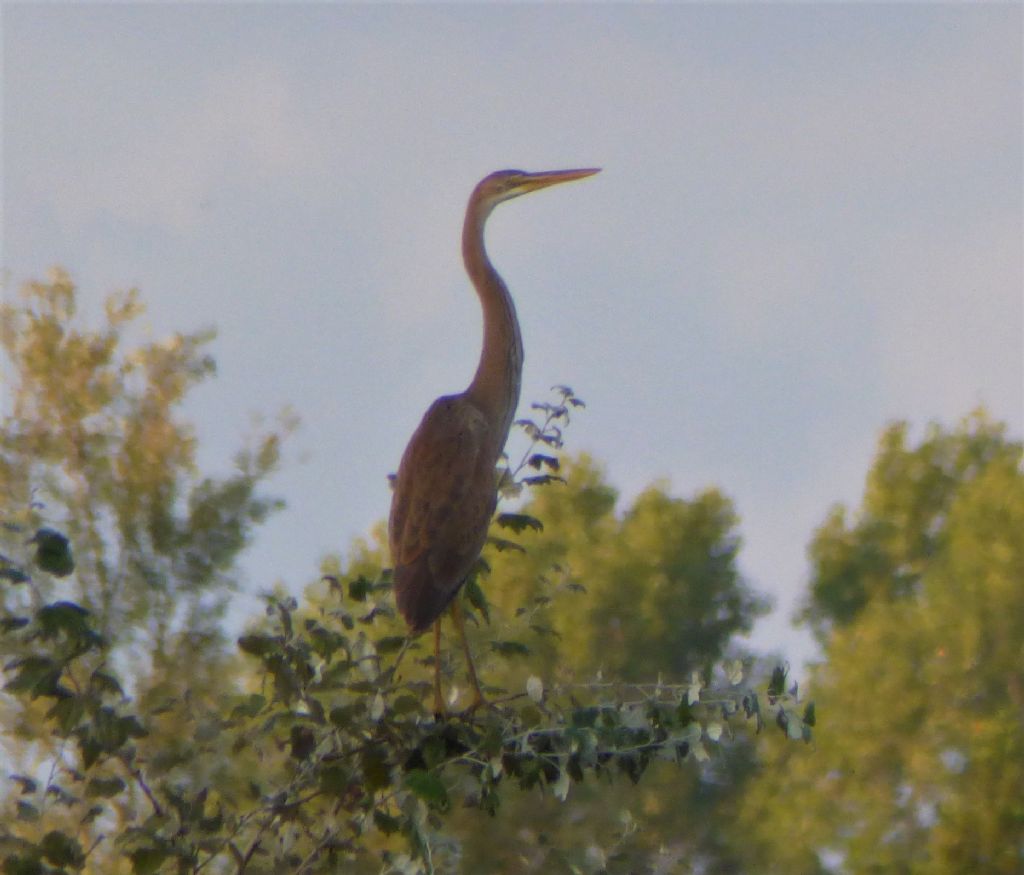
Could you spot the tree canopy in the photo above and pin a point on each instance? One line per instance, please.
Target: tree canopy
(627, 731)
(920, 764)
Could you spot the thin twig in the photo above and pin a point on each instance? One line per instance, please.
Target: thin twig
(329, 835)
(137, 775)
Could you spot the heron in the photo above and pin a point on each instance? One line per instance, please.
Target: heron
(445, 493)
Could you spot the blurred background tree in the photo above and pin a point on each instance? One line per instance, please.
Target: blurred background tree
(634, 594)
(882, 552)
(94, 444)
(919, 600)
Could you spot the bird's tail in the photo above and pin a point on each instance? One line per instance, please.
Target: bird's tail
(419, 601)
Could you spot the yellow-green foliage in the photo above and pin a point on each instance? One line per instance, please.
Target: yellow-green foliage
(919, 763)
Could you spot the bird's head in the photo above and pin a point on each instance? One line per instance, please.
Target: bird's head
(503, 185)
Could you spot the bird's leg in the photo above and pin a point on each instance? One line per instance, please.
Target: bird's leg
(478, 696)
(438, 700)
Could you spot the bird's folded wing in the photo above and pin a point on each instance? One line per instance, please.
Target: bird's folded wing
(443, 502)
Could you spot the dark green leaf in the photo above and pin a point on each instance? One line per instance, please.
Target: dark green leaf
(385, 822)
(782, 721)
(14, 575)
(543, 480)
(10, 624)
(37, 675)
(633, 765)
(325, 641)
(164, 707)
(91, 749)
(343, 715)
(428, 787)
(303, 742)
(53, 552)
(335, 675)
(538, 460)
(528, 425)
(492, 740)
(510, 648)
(61, 795)
(809, 717)
(778, 681)
(260, 645)
(64, 617)
(503, 544)
(434, 750)
(104, 787)
(212, 824)
(286, 684)
(584, 717)
(359, 589)
(62, 850)
(28, 785)
(477, 598)
(363, 687)
(376, 772)
(27, 811)
(103, 682)
(132, 728)
(146, 861)
(16, 864)
(107, 728)
(519, 522)
(284, 611)
(390, 644)
(250, 706)
(67, 713)
(403, 705)
(89, 816)
(335, 780)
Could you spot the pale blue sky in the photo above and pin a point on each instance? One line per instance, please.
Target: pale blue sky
(809, 223)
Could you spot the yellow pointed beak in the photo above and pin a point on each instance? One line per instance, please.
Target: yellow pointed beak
(537, 181)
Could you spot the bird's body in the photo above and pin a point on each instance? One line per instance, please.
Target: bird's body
(445, 492)
(439, 521)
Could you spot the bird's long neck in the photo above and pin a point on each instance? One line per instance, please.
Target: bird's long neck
(495, 387)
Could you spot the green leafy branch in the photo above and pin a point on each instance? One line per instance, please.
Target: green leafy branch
(352, 763)
(545, 434)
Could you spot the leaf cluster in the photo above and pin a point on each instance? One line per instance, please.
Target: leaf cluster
(923, 675)
(310, 749)
(351, 765)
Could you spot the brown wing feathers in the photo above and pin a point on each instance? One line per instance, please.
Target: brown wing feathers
(443, 502)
